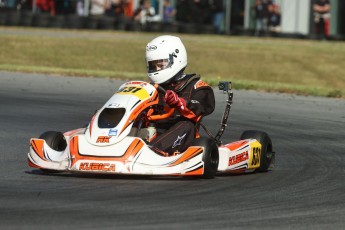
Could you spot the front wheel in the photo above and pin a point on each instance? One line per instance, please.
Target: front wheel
(56, 141)
(267, 154)
(210, 157)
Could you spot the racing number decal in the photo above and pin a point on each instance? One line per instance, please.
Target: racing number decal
(135, 90)
(256, 156)
(130, 89)
(254, 160)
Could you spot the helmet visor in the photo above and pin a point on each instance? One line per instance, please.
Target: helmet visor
(157, 65)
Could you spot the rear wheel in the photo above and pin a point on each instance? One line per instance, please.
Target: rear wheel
(56, 141)
(267, 154)
(210, 157)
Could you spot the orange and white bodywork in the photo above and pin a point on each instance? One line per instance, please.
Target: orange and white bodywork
(240, 156)
(107, 145)
(130, 156)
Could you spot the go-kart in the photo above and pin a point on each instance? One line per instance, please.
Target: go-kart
(117, 141)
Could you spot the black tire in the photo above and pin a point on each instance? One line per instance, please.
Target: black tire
(267, 153)
(56, 141)
(210, 157)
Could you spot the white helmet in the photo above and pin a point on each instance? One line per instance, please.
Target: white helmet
(166, 56)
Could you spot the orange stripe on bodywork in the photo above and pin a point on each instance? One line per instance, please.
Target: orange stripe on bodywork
(73, 148)
(235, 145)
(33, 165)
(37, 146)
(139, 109)
(134, 148)
(196, 172)
(190, 153)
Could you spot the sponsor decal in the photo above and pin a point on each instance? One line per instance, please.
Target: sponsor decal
(142, 83)
(114, 105)
(113, 132)
(105, 167)
(151, 47)
(178, 141)
(238, 158)
(195, 102)
(200, 83)
(103, 139)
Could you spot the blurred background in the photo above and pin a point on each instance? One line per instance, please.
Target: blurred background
(314, 19)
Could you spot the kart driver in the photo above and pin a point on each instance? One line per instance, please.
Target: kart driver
(192, 98)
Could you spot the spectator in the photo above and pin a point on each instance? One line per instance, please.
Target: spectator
(10, 4)
(182, 10)
(64, 7)
(146, 13)
(128, 8)
(274, 18)
(197, 10)
(218, 15)
(267, 4)
(98, 7)
(114, 7)
(138, 10)
(259, 17)
(46, 6)
(155, 4)
(2, 4)
(80, 8)
(119, 8)
(22, 5)
(168, 12)
(322, 15)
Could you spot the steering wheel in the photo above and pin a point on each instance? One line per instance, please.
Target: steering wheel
(160, 89)
(168, 110)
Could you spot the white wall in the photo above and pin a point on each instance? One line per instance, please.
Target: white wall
(295, 16)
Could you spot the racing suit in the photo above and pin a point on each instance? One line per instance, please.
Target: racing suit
(177, 133)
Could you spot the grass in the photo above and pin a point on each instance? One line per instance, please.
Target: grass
(277, 65)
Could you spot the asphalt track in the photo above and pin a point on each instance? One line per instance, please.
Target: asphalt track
(306, 190)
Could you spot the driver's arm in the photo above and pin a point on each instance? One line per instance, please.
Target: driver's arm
(199, 103)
